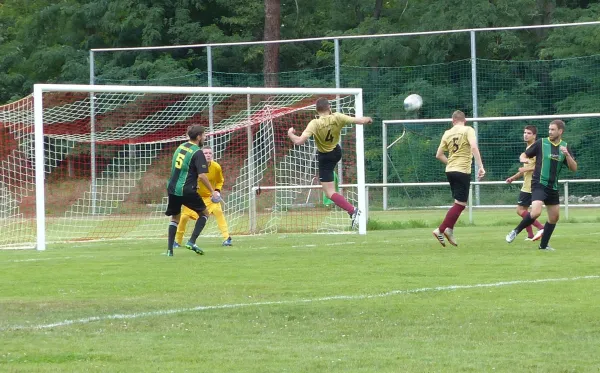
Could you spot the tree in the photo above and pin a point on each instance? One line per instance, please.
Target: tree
(272, 32)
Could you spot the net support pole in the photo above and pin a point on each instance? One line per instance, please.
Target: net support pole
(474, 99)
(360, 166)
(209, 71)
(92, 136)
(338, 108)
(385, 163)
(40, 207)
(252, 212)
(567, 200)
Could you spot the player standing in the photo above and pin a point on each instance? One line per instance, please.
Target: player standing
(461, 144)
(524, 202)
(215, 176)
(188, 166)
(326, 131)
(551, 154)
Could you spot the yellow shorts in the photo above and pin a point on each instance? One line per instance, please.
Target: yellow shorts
(211, 207)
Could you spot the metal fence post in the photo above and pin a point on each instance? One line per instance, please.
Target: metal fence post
(474, 99)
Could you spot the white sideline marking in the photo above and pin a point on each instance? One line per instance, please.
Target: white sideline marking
(288, 302)
(41, 259)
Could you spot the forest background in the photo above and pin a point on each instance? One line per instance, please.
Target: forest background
(527, 72)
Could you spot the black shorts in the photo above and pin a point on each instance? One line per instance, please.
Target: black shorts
(524, 199)
(327, 163)
(541, 192)
(192, 201)
(459, 184)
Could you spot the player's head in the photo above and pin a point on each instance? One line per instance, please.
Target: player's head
(556, 129)
(458, 117)
(196, 133)
(529, 133)
(322, 106)
(208, 153)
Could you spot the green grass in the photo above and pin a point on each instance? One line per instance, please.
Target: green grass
(385, 302)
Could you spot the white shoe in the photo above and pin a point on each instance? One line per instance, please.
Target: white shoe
(529, 239)
(547, 248)
(510, 237)
(538, 235)
(440, 237)
(449, 233)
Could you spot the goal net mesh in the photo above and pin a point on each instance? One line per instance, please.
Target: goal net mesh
(108, 180)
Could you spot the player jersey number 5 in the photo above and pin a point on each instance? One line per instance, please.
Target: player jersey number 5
(179, 161)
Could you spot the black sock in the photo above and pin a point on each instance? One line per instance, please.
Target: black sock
(200, 223)
(172, 231)
(548, 229)
(527, 221)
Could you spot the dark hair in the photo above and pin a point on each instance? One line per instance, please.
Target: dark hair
(532, 128)
(559, 124)
(322, 105)
(458, 116)
(195, 131)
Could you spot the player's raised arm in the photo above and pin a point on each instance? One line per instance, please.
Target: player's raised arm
(362, 120)
(297, 140)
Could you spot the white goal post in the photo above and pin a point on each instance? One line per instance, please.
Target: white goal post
(260, 154)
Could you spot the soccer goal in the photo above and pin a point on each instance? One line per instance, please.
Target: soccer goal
(82, 162)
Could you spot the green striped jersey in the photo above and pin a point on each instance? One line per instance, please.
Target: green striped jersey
(549, 160)
(188, 162)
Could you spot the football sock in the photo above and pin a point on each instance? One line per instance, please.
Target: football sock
(172, 231)
(527, 220)
(451, 217)
(538, 225)
(548, 229)
(528, 228)
(200, 223)
(340, 201)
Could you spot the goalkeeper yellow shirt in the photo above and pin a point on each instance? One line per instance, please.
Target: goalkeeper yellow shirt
(215, 176)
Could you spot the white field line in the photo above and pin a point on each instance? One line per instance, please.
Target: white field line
(137, 315)
(42, 259)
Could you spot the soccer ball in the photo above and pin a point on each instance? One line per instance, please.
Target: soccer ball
(413, 102)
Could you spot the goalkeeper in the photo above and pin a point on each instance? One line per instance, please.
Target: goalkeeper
(216, 179)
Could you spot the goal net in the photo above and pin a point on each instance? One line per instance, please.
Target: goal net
(77, 165)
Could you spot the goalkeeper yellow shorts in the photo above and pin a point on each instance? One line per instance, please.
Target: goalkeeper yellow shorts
(211, 207)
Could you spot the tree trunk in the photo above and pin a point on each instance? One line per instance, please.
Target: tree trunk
(271, 52)
(378, 7)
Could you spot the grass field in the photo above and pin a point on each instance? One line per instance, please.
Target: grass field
(391, 301)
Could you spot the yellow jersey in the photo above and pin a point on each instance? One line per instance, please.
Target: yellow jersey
(215, 176)
(527, 176)
(456, 142)
(326, 130)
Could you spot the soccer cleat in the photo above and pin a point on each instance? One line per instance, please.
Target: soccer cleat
(439, 236)
(538, 235)
(547, 248)
(169, 252)
(449, 233)
(529, 239)
(176, 245)
(354, 216)
(194, 248)
(510, 237)
(227, 242)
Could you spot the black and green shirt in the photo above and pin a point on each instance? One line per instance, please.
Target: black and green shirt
(549, 160)
(188, 162)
